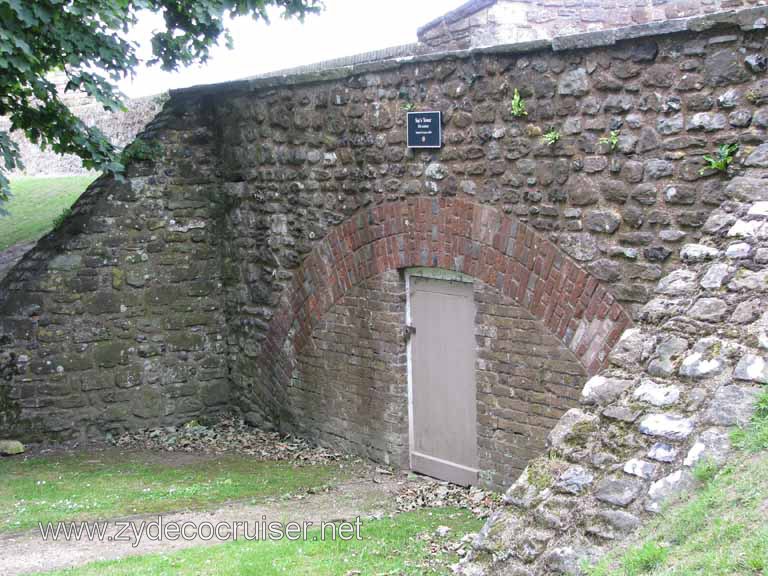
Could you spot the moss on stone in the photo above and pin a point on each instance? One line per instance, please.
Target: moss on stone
(539, 474)
(581, 432)
(142, 151)
(532, 131)
(118, 278)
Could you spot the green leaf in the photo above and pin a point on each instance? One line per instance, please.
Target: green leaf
(88, 40)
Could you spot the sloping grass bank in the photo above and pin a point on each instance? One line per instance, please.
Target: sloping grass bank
(721, 530)
(35, 204)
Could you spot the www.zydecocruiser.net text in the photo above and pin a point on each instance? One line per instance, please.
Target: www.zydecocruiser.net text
(156, 530)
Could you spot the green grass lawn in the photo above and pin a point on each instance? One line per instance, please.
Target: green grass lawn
(391, 546)
(113, 483)
(34, 205)
(721, 530)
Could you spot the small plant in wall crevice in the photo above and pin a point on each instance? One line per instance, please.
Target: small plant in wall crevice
(551, 137)
(518, 109)
(612, 140)
(723, 158)
(408, 106)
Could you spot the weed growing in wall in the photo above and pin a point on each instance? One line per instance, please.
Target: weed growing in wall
(612, 140)
(518, 105)
(59, 220)
(551, 137)
(705, 470)
(141, 151)
(754, 436)
(723, 159)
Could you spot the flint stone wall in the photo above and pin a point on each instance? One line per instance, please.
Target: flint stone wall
(692, 368)
(203, 282)
(304, 160)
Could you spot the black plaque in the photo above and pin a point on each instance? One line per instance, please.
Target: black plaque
(425, 129)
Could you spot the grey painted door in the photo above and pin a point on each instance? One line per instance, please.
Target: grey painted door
(443, 397)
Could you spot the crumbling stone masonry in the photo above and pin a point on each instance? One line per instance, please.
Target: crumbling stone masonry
(693, 366)
(257, 264)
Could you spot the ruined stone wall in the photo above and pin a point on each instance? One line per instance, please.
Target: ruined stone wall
(492, 22)
(690, 370)
(115, 319)
(120, 128)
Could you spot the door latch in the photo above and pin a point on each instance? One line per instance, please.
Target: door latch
(408, 332)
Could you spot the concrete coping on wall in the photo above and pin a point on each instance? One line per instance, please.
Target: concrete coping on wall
(755, 18)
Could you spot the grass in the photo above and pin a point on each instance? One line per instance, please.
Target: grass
(722, 530)
(754, 437)
(396, 546)
(644, 558)
(35, 204)
(113, 483)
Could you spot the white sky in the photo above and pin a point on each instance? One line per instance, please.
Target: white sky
(346, 27)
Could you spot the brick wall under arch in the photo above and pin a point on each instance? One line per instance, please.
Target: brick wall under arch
(577, 313)
(349, 390)
(455, 234)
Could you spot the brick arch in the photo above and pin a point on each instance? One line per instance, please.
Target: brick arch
(455, 234)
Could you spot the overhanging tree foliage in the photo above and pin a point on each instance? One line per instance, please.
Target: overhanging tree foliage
(89, 41)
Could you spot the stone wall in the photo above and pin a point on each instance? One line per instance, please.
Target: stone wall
(312, 165)
(278, 215)
(115, 319)
(691, 368)
(214, 277)
(492, 22)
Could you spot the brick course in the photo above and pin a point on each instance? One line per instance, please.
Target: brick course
(461, 235)
(349, 385)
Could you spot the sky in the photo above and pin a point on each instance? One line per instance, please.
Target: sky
(344, 28)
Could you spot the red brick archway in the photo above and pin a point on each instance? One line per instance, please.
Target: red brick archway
(460, 235)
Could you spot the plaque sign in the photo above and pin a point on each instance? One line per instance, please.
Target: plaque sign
(425, 129)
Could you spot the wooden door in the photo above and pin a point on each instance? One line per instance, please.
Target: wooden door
(443, 392)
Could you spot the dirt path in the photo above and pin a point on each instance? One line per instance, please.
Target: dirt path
(27, 552)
